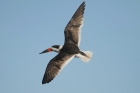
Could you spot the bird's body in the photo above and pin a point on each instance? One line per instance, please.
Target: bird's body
(70, 49)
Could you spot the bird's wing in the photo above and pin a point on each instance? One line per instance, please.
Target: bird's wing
(73, 29)
(56, 65)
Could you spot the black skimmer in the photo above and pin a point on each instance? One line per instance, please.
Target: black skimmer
(70, 49)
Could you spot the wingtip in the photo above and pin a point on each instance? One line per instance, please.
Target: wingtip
(46, 79)
(44, 82)
(84, 3)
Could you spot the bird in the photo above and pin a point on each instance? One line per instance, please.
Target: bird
(70, 49)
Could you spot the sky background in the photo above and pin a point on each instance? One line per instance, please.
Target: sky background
(111, 31)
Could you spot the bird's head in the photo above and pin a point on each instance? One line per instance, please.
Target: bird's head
(55, 48)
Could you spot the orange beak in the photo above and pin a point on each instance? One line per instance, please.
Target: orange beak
(47, 50)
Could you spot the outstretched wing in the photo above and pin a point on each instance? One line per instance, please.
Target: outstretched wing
(73, 28)
(56, 65)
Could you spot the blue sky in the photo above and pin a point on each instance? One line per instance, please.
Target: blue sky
(111, 31)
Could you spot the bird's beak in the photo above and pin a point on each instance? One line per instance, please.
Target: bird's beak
(47, 50)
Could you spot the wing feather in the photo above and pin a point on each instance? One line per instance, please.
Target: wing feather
(55, 66)
(73, 28)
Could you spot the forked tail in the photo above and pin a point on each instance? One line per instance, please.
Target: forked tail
(86, 56)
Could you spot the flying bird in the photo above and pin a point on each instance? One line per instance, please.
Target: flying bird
(70, 49)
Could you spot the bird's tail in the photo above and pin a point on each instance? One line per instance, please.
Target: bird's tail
(86, 56)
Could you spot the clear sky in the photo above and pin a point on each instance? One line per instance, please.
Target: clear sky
(111, 31)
